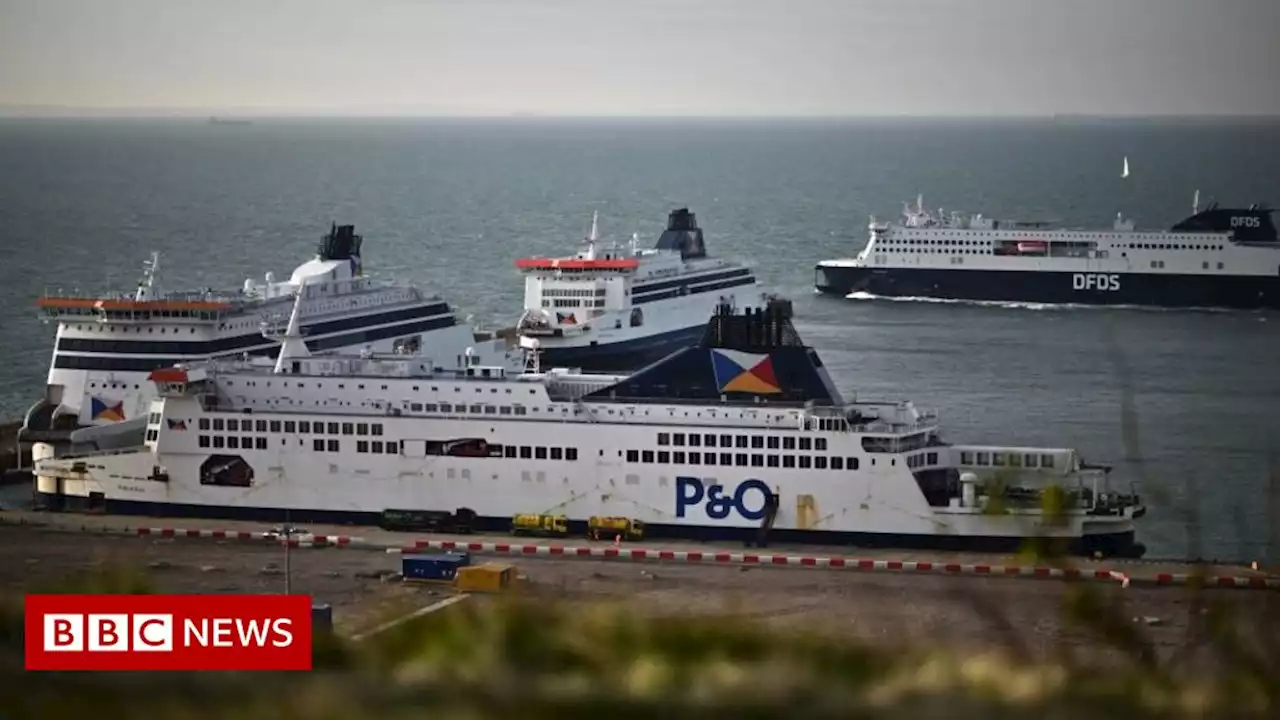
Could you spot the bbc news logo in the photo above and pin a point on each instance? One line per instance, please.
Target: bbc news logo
(168, 632)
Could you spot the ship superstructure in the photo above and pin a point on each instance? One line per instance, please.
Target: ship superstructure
(618, 308)
(106, 346)
(1215, 258)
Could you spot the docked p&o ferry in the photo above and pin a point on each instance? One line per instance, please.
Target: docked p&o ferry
(106, 345)
(1216, 258)
(618, 308)
(741, 436)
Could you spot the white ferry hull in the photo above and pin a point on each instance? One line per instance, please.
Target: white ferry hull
(741, 437)
(119, 484)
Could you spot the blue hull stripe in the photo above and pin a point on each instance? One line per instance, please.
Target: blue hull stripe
(1105, 543)
(1242, 292)
(648, 297)
(147, 364)
(242, 342)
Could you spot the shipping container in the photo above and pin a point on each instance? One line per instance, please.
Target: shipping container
(489, 577)
(441, 567)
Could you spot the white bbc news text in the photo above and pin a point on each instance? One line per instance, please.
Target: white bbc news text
(149, 632)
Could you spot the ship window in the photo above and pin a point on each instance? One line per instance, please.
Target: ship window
(526, 452)
(633, 456)
(757, 460)
(377, 429)
(997, 459)
(694, 458)
(1046, 461)
(740, 459)
(708, 458)
(275, 426)
(509, 451)
(788, 461)
(260, 426)
(289, 426)
(233, 425)
(806, 443)
(1204, 265)
(446, 407)
(820, 444)
(540, 453)
(788, 443)
(742, 441)
(726, 441)
(820, 462)
(490, 410)
(304, 426)
(233, 442)
(332, 445)
(771, 461)
(318, 444)
(1031, 460)
(477, 409)
(804, 462)
(348, 428)
(773, 442)
(204, 423)
(520, 410)
(664, 456)
(362, 428)
(504, 410)
(246, 442)
(695, 440)
(1015, 460)
(646, 456)
(757, 442)
(203, 441)
(837, 462)
(333, 428)
(377, 446)
(677, 457)
(677, 439)
(709, 440)
(218, 425)
(362, 446)
(557, 453)
(726, 458)
(966, 457)
(664, 439)
(984, 459)
(1219, 266)
(931, 458)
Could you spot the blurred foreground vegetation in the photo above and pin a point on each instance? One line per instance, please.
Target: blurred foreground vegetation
(530, 659)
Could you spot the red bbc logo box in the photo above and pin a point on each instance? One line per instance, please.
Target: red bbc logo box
(168, 632)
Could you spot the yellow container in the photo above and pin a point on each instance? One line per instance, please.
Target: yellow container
(486, 578)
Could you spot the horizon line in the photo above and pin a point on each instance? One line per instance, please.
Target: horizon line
(51, 112)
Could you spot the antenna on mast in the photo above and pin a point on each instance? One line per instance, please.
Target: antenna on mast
(1195, 203)
(1125, 172)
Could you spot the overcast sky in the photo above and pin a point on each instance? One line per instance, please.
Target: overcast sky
(646, 57)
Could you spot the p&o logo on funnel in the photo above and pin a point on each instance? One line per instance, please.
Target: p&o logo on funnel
(742, 372)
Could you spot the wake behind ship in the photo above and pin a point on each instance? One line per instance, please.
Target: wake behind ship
(740, 437)
(1215, 258)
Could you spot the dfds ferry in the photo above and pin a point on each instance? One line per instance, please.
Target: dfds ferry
(1215, 258)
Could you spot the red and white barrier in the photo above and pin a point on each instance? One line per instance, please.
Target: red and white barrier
(298, 540)
(833, 563)
(616, 551)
